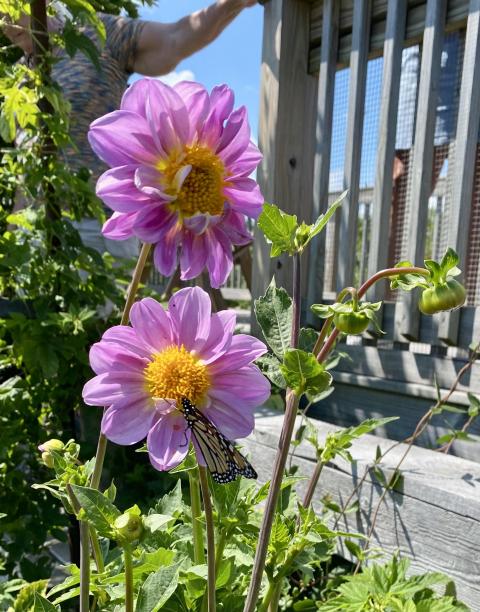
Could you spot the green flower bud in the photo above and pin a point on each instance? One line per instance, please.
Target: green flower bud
(46, 447)
(129, 527)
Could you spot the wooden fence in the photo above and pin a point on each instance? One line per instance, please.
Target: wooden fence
(308, 49)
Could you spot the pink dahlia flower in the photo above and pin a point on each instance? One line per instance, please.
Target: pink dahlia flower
(180, 160)
(143, 372)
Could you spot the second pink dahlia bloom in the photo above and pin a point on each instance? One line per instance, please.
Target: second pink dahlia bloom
(180, 161)
(143, 372)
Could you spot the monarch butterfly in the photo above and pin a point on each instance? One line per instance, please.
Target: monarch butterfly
(223, 460)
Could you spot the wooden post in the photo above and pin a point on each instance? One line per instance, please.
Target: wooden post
(382, 193)
(465, 154)
(326, 87)
(356, 105)
(286, 128)
(407, 315)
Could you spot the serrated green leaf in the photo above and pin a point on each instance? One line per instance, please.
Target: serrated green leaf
(270, 366)
(41, 604)
(274, 315)
(157, 589)
(279, 228)
(322, 220)
(154, 522)
(303, 373)
(97, 509)
(307, 339)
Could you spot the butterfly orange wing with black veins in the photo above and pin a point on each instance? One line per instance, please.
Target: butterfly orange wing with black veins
(223, 460)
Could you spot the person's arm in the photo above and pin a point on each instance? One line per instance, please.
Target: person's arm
(161, 46)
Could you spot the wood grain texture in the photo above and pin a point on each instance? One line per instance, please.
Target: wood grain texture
(464, 158)
(433, 517)
(321, 174)
(407, 315)
(348, 215)
(382, 193)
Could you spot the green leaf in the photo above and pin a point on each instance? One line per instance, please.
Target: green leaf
(407, 282)
(274, 315)
(322, 220)
(279, 228)
(157, 589)
(307, 339)
(40, 604)
(97, 509)
(474, 408)
(154, 522)
(270, 366)
(303, 373)
(449, 262)
(171, 503)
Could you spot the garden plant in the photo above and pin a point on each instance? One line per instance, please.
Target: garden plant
(174, 378)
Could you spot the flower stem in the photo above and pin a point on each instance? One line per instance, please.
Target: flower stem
(207, 504)
(222, 540)
(307, 500)
(281, 457)
(84, 567)
(131, 294)
(128, 561)
(84, 553)
(97, 552)
(197, 528)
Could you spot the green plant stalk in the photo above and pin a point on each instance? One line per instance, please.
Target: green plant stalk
(132, 292)
(128, 561)
(96, 550)
(307, 500)
(222, 540)
(207, 505)
(197, 527)
(84, 567)
(281, 457)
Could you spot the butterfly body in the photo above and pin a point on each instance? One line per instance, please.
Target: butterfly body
(223, 460)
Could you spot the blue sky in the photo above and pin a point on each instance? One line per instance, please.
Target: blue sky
(234, 58)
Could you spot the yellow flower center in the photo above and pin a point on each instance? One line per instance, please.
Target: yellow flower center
(175, 373)
(201, 191)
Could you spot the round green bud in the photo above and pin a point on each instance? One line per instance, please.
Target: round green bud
(129, 527)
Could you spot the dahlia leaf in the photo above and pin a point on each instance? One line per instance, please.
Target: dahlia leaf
(157, 589)
(278, 228)
(322, 220)
(303, 373)
(97, 509)
(274, 315)
(40, 604)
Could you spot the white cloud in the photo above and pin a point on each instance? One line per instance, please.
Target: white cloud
(175, 77)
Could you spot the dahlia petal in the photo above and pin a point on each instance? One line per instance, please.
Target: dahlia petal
(247, 163)
(246, 386)
(199, 223)
(147, 180)
(236, 137)
(122, 138)
(107, 356)
(153, 222)
(193, 255)
(245, 196)
(198, 453)
(167, 116)
(222, 326)
(221, 105)
(129, 420)
(128, 339)
(116, 187)
(168, 441)
(235, 228)
(219, 258)
(242, 351)
(197, 101)
(190, 312)
(233, 420)
(135, 97)
(165, 255)
(106, 389)
(152, 324)
(119, 226)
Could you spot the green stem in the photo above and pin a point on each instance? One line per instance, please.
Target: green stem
(197, 527)
(128, 560)
(307, 500)
(132, 292)
(222, 540)
(84, 567)
(207, 504)
(97, 551)
(267, 598)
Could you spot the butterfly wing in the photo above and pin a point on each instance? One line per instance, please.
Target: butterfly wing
(223, 460)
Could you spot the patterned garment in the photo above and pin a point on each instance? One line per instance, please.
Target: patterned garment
(94, 93)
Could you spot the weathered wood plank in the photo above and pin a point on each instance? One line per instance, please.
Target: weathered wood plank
(433, 517)
(407, 316)
(321, 173)
(405, 366)
(287, 127)
(457, 13)
(348, 216)
(382, 193)
(465, 155)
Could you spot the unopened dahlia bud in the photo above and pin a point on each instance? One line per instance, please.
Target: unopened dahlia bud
(47, 447)
(129, 527)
